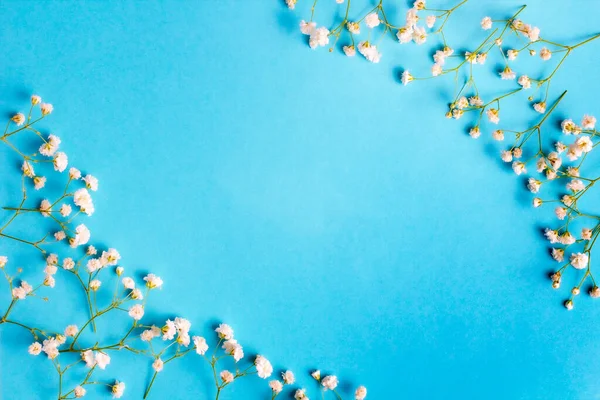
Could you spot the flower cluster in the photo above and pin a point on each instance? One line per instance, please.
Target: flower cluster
(67, 251)
(510, 38)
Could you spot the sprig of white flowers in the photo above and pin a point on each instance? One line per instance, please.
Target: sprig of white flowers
(508, 38)
(162, 343)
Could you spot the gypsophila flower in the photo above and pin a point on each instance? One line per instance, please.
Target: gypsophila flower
(27, 169)
(519, 167)
(153, 281)
(136, 294)
(537, 202)
(586, 234)
(569, 305)
(60, 161)
(35, 348)
(493, 115)
(45, 208)
(369, 51)
(288, 377)
(576, 185)
(136, 312)
(158, 365)
(3, 261)
(506, 155)
(545, 54)
(566, 239)
(595, 292)
(226, 376)
(512, 55)
(68, 263)
(276, 386)
(486, 23)
(475, 132)
(46, 109)
(319, 37)
(128, 283)
(350, 51)
(119, 271)
(475, 101)
(150, 334)
(353, 27)
(430, 21)
(560, 212)
(224, 331)
(234, 349)
(533, 185)
(588, 122)
(91, 182)
(508, 74)
(168, 330)
(558, 254)
(95, 285)
(74, 173)
(35, 100)
(540, 107)
(579, 260)
(329, 382)
(79, 392)
(39, 182)
(372, 20)
(264, 368)
(361, 393)
(71, 330)
(200, 345)
(18, 119)
(118, 389)
(524, 81)
(300, 394)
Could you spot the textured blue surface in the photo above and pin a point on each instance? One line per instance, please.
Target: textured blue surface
(334, 218)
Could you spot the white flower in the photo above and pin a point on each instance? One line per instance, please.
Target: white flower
(39, 182)
(518, 167)
(353, 27)
(508, 74)
(153, 281)
(512, 55)
(360, 393)
(369, 51)
(71, 330)
(533, 185)
(45, 208)
(300, 394)
(436, 70)
(150, 334)
(551, 235)
(93, 265)
(540, 107)
(570, 128)
(524, 81)
(79, 392)
(233, 348)
(588, 122)
(110, 257)
(575, 185)
(350, 51)
(82, 236)
(35, 100)
(50, 347)
(307, 28)
(579, 260)
(65, 210)
(498, 135)
(128, 283)
(595, 292)
(569, 305)
(475, 101)
(95, 285)
(27, 169)
(506, 155)
(537, 202)
(419, 35)
(83, 200)
(3, 261)
(91, 182)
(35, 348)
(481, 57)
(493, 115)
(74, 173)
(406, 77)
(419, 5)
(288, 377)
(226, 376)
(200, 345)
(486, 23)
(566, 239)
(329, 382)
(263, 367)
(560, 212)
(319, 37)
(276, 386)
(117, 389)
(18, 119)
(586, 234)
(404, 34)
(136, 294)
(46, 109)
(102, 359)
(372, 20)
(169, 330)
(545, 54)
(136, 312)
(584, 144)
(68, 263)
(430, 21)
(224, 331)
(316, 374)
(158, 365)
(475, 132)
(60, 161)
(558, 254)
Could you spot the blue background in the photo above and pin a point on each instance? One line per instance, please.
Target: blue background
(334, 218)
